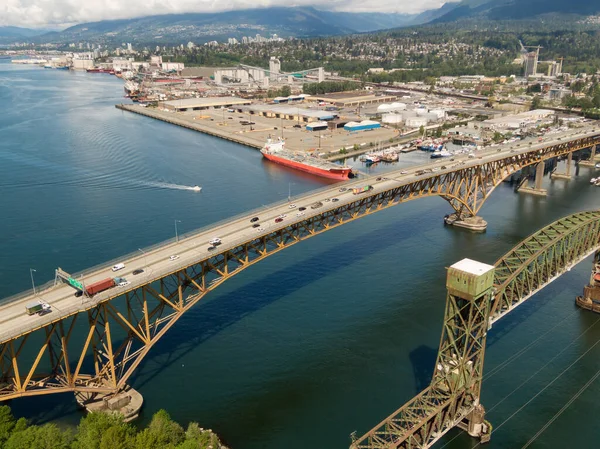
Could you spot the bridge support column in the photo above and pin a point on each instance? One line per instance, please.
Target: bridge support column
(591, 292)
(592, 161)
(128, 402)
(539, 178)
(475, 223)
(567, 174)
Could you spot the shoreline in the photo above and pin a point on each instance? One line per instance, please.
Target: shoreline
(189, 124)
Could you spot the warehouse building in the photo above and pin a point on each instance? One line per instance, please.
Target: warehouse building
(289, 113)
(198, 104)
(365, 125)
(316, 126)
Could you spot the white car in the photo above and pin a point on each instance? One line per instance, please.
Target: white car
(292, 206)
(175, 257)
(260, 229)
(215, 241)
(124, 283)
(300, 214)
(403, 172)
(282, 216)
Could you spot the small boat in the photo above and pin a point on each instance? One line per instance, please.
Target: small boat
(440, 153)
(372, 159)
(593, 180)
(196, 188)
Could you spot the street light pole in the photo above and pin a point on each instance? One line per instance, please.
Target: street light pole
(31, 270)
(144, 253)
(176, 235)
(289, 191)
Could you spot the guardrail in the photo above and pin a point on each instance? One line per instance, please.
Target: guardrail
(135, 255)
(151, 275)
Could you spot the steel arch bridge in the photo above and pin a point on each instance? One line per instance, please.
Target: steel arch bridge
(453, 396)
(94, 348)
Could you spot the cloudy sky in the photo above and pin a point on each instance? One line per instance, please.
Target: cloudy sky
(62, 13)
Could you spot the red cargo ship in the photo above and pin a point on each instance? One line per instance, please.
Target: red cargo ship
(276, 152)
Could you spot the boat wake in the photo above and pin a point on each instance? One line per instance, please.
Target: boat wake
(167, 185)
(83, 177)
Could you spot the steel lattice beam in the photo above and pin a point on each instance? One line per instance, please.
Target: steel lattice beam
(523, 271)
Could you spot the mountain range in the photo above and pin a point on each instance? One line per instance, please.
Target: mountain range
(291, 22)
(204, 27)
(512, 9)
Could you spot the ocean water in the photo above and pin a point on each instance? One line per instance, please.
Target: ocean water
(318, 341)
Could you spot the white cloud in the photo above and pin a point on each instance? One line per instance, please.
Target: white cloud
(43, 13)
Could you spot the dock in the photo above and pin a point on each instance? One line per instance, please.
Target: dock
(189, 123)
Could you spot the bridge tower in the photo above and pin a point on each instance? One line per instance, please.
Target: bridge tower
(459, 366)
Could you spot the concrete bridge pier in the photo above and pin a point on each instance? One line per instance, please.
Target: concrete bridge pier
(477, 426)
(567, 174)
(539, 178)
(592, 160)
(591, 292)
(128, 402)
(475, 223)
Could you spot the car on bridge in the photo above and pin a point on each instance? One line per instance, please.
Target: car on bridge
(256, 225)
(138, 271)
(118, 267)
(216, 241)
(278, 220)
(253, 219)
(174, 257)
(292, 206)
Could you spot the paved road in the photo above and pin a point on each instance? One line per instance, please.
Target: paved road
(156, 262)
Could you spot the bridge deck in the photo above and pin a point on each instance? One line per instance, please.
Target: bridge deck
(193, 248)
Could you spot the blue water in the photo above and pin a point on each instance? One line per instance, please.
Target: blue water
(327, 337)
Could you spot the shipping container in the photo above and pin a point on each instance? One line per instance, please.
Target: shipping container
(34, 307)
(100, 286)
(359, 190)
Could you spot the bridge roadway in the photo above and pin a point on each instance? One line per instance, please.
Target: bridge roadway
(156, 263)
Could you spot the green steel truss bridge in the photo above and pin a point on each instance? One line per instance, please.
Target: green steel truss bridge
(452, 398)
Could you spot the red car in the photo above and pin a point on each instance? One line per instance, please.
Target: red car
(278, 220)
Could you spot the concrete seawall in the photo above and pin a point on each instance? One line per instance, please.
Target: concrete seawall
(190, 124)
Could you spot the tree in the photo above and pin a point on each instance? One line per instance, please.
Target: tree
(161, 433)
(100, 430)
(7, 423)
(536, 103)
(48, 436)
(497, 137)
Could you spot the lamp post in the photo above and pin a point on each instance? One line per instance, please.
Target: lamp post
(176, 235)
(144, 253)
(31, 270)
(289, 191)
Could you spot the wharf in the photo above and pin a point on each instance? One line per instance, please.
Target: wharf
(189, 123)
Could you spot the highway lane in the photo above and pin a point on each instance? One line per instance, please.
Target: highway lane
(194, 248)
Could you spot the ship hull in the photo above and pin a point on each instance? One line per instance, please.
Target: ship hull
(333, 173)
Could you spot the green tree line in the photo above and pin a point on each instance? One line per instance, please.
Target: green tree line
(327, 87)
(104, 431)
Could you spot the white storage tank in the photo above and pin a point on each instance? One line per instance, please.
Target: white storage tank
(439, 112)
(384, 108)
(392, 119)
(398, 106)
(416, 122)
(421, 111)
